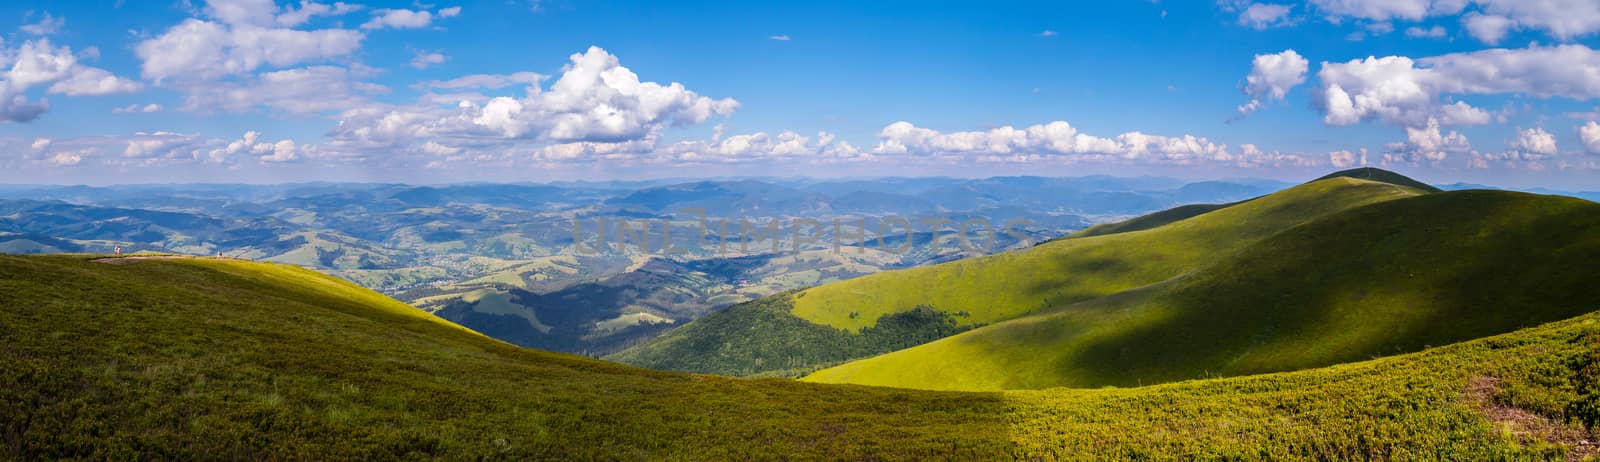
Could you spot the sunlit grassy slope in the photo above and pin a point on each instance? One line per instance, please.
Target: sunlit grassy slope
(1011, 284)
(198, 360)
(825, 325)
(1148, 221)
(1377, 280)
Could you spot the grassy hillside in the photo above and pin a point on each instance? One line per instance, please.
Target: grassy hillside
(1386, 278)
(1011, 284)
(1002, 286)
(1378, 174)
(204, 359)
(1152, 220)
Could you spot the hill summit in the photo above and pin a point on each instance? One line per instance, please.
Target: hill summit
(1381, 175)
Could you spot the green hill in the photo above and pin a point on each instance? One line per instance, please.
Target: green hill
(1378, 174)
(1151, 220)
(1381, 279)
(209, 359)
(990, 289)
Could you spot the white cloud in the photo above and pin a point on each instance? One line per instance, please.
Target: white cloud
(47, 25)
(1262, 16)
(1431, 32)
(1402, 91)
(15, 107)
(595, 99)
(1427, 144)
(1384, 10)
(294, 17)
(1048, 33)
(1346, 159)
(1061, 142)
(306, 90)
(282, 151)
(780, 37)
(66, 158)
(423, 59)
(136, 108)
(147, 148)
(1536, 141)
(37, 62)
(1589, 134)
(435, 148)
(203, 50)
(490, 81)
(251, 143)
(407, 19)
(1486, 20)
(1487, 28)
(88, 81)
(1271, 77)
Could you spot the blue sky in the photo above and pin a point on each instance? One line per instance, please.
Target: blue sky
(1489, 91)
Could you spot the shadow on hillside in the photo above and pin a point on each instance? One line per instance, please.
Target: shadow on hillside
(1389, 278)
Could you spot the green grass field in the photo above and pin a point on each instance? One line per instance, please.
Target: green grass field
(1376, 280)
(207, 359)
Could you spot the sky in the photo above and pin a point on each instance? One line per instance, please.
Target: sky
(1499, 92)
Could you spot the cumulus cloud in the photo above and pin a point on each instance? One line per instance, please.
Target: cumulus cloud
(36, 62)
(15, 107)
(267, 13)
(1262, 16)
(242, 36)
(252, 144)
(1346, 159)
(1427, 144)
(1534, 140)
(1062, 142)
(407, 19)
(1271, 77)
(1407, 92)
(67, 158)
(291, 17)
(1487, 20)
(1488, 29)
(86, 80)
(1384, 10)
(200, 50)
(594, 100)
(1589, 134)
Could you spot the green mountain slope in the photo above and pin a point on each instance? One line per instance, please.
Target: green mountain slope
(1147, 221)
(998, 287)
(1381, 175)
(1376, 280)
(205, 359)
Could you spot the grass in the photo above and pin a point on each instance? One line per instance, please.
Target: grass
(1147, 221)
(1386, 278)
(1011, 284)
(1004, 286)
(207, 359)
